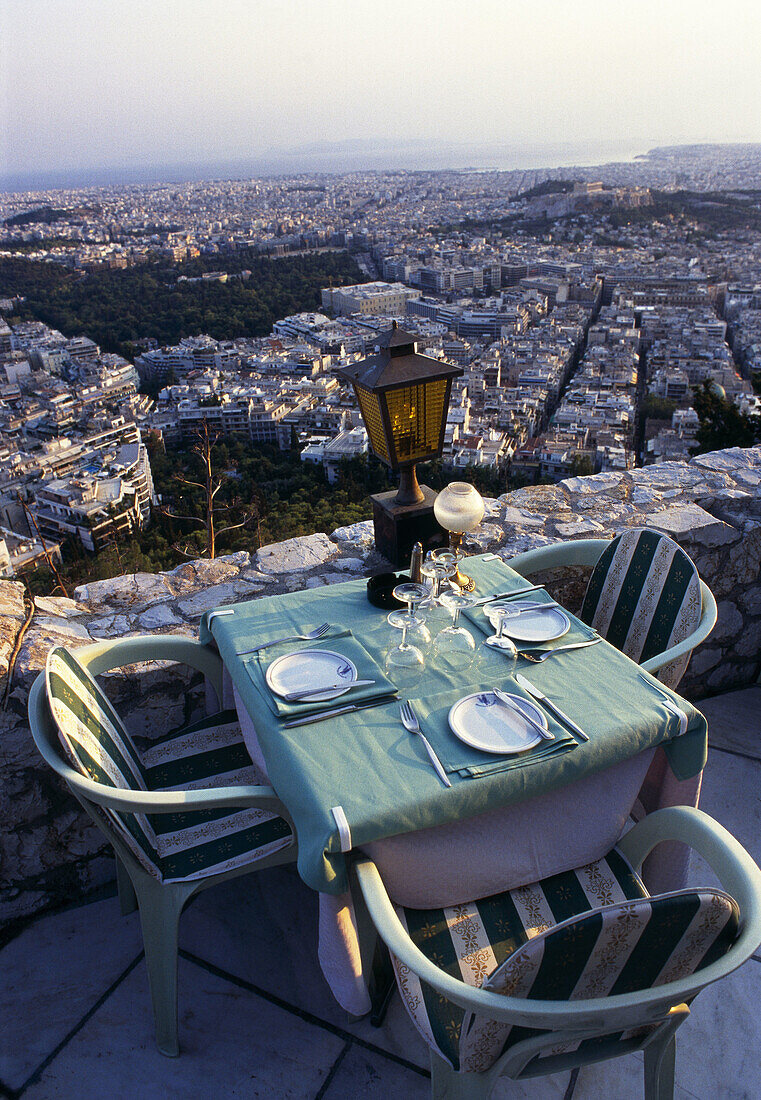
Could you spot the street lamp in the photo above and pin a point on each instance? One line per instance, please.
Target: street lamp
(403, 398)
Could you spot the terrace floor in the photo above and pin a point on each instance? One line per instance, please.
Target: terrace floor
(257, 1019)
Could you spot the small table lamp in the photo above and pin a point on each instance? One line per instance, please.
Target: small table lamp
(459, 508)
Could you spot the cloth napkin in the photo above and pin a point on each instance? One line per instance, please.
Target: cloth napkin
(469, 763)
(343, 643)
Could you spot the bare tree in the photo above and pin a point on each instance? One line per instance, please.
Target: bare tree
(32, 519)
(210, 486)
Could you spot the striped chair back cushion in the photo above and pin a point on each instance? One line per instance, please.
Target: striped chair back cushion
(97, 745)
(644, 596)
(470, 941)
(623, 948)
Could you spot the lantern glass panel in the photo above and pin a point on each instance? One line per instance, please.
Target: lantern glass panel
(416, 414)
(369, 406)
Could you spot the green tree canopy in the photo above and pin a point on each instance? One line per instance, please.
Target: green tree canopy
(721, 422)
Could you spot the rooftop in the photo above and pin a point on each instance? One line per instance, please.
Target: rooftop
(257, 1018)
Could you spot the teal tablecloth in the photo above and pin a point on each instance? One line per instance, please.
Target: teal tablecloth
(367, 763)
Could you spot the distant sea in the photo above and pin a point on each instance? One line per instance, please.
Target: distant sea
(337, 157)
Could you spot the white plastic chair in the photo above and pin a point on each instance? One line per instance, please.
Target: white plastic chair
(645, 1019)
(159, 896)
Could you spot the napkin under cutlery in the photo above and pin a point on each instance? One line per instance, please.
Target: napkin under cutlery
(256, 666)
(471, 763)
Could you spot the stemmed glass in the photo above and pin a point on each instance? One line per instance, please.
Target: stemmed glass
(438, 566)
(455, 644)
(500, 640)
(406, 655)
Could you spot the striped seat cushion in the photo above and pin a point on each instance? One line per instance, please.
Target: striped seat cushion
(211, 753)
(644, 596)
(472, 940)
(194, 844)
(584, 933)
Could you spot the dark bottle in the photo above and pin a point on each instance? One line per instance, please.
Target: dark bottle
(415, 562)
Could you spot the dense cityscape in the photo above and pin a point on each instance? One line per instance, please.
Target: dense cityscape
(604, 318)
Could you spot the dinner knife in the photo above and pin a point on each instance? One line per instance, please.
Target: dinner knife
(506, 595)
(531, 607)
(320, 715)
(562, 648)
(345, 685)
(504, 698)
(537, 694)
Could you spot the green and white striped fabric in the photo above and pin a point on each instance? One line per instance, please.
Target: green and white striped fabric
(211, 753)
(470, 941)
(585, 933)
(644, 596)
(614, 950)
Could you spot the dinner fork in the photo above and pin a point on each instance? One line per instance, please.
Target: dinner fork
(312, 636)
(410, 723)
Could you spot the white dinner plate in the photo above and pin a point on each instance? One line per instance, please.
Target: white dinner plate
(309, 668)
(542, 625)
(485, 722)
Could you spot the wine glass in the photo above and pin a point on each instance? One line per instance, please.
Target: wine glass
(500, 640)
(455, 645)
(412, 594)
(438, 566)
(407, 655)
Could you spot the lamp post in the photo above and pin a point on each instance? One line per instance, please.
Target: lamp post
(403, 398)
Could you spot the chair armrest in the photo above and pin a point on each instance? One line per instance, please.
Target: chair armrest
(107, 655)
(557, 555)
(699, 634)
(736, 870)
(167, 802)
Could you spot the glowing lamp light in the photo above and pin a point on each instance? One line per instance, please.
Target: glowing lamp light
(459, 508)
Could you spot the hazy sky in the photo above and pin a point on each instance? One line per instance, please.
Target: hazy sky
(101, 83)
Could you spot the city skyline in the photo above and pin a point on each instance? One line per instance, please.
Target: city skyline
(125, 90)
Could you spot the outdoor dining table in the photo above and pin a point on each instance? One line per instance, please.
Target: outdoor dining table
(361, 781)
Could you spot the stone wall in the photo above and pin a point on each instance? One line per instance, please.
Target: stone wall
(48, 850)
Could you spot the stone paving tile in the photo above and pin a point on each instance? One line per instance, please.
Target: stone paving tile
(734, 721)
(234, 1044)
(719, 1047)
(366, 1074)
(619, 1079)
(263, 928)
(55, 972)
(732, 795)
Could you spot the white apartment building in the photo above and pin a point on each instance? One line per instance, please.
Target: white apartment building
(332, 452)
(368, 299)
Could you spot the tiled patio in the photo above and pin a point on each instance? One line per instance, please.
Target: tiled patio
(257, 1020)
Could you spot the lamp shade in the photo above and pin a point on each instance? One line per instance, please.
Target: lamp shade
(403, 398)
(459, 507)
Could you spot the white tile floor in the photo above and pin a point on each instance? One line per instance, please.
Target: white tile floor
(257, 1020)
